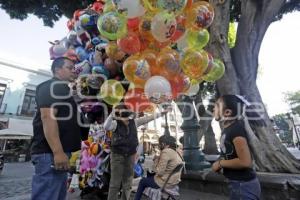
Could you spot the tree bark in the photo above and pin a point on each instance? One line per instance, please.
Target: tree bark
(241, 71)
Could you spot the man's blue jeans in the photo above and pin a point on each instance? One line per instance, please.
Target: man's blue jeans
(244, 190)
(47, 183)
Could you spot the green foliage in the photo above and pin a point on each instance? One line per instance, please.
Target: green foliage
(51, 10)
(293, 99)
(48, 10)
(231, 35)
(285, 133)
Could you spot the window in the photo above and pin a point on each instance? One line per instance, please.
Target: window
(29, 106)
(2, 92)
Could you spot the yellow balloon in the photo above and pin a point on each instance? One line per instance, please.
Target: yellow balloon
(112, 92)
(194, 63)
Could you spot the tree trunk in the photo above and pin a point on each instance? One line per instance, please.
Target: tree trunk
(241, 71)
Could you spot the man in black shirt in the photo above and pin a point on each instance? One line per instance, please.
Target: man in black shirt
(56, 132)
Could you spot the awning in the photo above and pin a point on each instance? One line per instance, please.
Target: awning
(17, 129)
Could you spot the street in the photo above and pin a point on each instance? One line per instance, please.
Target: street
(15, 182)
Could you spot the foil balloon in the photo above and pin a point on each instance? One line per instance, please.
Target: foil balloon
(217, 71)
(111, 92)
(158, 89)
(112, 25)
(163, 26)
(194, 63)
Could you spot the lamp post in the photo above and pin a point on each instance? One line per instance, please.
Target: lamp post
(193, 156)
(290, 117)
(167, 131)
(143, 128)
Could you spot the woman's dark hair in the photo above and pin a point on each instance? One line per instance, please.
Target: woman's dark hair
(168, 140)
(239, 109)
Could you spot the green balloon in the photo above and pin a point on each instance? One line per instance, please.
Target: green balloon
(112, 25)
(111, 92)
(217, 71)
(197, 38)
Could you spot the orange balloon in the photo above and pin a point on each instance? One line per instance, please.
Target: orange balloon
(151, 56)
(130, 44)
(169, 63)
(200, 15)
(133, 24)
(178, 85)
(145, 27)
(180, 28)
(136, 70)
(136, 100)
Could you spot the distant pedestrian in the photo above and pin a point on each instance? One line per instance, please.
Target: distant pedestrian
(236, 161)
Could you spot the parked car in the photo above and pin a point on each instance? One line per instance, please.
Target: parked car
(1, 161)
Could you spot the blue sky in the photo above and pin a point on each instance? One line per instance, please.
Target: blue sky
(26, 42)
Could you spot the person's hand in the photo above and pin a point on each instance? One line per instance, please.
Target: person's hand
(61, 161)
(216, 167)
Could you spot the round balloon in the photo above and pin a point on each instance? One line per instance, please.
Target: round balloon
(112, 25)
(150, 5)
(111, 66)
(201, 15)
(136, 100)
(194, 63)
(145, 26)
(133, 8)
(111, 92)
(130, 44)
(163, 26)
(169, 62)
(113, 51)
(180, 28)
(175, 6)
(136, 70)
(217, 71)
(197, 38)
(158, 89)
(133, 24)
(100, 69)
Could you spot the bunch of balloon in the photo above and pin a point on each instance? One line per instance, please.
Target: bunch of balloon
(140, 41)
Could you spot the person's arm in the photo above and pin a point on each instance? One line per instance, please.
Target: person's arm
(160, 168)
(144, 120)
(61, 160)
(110, 124)
(242, 161)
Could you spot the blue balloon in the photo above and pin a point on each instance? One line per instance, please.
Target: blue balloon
(96, 41)
(82, 53)
(100, 69)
